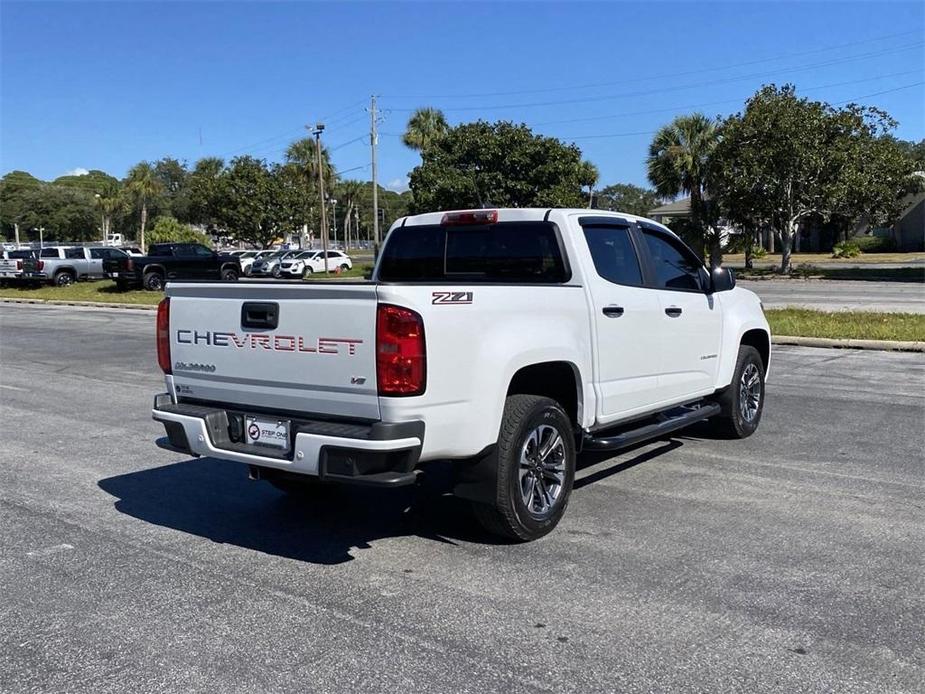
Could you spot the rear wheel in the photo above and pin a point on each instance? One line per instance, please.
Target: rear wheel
(63, 278)
(275, 272)
(230, 275)
(535, 467)
(153, 281)
(742, 401)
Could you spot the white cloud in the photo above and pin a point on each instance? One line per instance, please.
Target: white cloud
(399, 185)
(79, 171)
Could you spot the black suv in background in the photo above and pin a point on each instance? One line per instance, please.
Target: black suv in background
(171, 261)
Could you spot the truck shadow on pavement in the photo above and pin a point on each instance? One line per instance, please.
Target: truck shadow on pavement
(216, 500)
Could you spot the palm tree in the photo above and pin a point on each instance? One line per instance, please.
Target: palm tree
(588, 175)
(303, 155)
(678, 160)
(425, 127)
(142, 185)
(347, 193)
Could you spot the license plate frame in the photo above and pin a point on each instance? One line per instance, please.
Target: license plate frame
(267, 432)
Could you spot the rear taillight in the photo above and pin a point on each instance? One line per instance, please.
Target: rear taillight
(401, 356)
(19, 265)
(163, 335)
(39, 266)
(129, 265)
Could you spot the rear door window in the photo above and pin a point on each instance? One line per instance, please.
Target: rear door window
(514, 252)
(613, 253)
(49, 253)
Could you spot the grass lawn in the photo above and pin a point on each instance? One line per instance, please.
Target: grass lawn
(102, 290)
(859, 325)
(823, 258)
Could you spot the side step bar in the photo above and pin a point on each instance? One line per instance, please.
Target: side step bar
(668, 423)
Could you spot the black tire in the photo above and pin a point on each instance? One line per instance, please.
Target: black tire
(153, 281)
(344, 267)
(63, 278)
(229, 274)
(275, 272)
(735, 420)
(511, 515)
(307, 272)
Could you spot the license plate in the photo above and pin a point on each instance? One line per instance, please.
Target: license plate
(114, 274)
(262, 431)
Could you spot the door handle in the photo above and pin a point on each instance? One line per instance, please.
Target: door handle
(260, 315)
(673, 311)
(613, 311)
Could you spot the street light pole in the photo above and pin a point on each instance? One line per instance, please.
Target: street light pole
(99, 201)
(319, 128)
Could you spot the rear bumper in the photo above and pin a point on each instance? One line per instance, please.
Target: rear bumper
(378, 454)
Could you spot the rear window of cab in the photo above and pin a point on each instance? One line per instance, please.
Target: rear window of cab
(504, 252)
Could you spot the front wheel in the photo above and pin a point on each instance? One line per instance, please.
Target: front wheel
(307, 272)
(344, 267)
(742, 401)
(275, 272)
(535, 469)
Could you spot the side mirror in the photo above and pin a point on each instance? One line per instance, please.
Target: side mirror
(722, 279)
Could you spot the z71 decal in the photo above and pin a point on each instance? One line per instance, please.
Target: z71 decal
(452, 298)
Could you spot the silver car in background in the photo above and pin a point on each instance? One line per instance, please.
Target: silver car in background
(270, 264)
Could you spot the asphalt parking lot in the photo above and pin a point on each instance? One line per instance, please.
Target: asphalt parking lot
(791, 561)
(840, 295)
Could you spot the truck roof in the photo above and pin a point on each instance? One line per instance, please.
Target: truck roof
(524, 214)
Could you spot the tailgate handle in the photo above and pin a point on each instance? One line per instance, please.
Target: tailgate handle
(260, 314)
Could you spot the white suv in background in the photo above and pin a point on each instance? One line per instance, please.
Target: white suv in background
(308, 262)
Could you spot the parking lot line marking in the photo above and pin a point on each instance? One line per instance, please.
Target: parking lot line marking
(13, 387)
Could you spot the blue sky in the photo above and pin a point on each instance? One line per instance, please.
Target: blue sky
(104, 85)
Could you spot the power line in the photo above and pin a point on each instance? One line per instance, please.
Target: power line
(714, 68)
(663, 89)
(652, 132)
(714, 103)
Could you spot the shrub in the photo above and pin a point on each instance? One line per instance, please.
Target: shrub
(875, 244)
(758, 252)
(846, 249)
(169, 230)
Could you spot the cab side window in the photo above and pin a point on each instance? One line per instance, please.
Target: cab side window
(613, 254)
(74, 253)
(676, 267)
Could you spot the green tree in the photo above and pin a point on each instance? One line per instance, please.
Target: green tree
(679, 157)
(496, 164)
(173, 177)
(786, 160)
(625, 197)
(19, 195)
(255, 203)
(348, 195)
(425, 127)
(204, 192)
(168, 229)
(143, 185)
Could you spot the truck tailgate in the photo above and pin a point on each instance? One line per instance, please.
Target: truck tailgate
(306, 348)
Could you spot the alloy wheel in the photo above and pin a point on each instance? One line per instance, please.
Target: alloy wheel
(750, 392)
(542, 470)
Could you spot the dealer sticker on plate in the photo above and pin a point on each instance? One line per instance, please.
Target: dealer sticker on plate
(267, 432)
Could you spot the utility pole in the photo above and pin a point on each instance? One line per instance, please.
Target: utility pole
(319, 128)
(374, 141)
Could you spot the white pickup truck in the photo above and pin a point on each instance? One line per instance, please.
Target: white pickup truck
(506, 340)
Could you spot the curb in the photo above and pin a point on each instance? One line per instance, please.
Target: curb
(881, 345)
(91, 304)
(843, 343)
